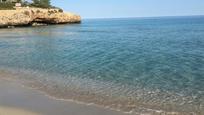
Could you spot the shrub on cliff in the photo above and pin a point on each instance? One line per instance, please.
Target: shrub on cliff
(6, 6)
(60, 10)
(41, 3)
(26, 13)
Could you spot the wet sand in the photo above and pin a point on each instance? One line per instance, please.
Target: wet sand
(15, 111)
(14, 98)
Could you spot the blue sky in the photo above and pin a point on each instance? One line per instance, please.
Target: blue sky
(131, 8)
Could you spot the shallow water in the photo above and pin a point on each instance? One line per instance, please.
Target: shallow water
(141, 64)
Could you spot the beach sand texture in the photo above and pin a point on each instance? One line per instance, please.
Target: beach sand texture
(18, 100)
(15, 111)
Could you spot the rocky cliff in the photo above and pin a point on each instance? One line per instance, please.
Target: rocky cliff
(36, 16)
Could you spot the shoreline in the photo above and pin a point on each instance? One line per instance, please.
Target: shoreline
(14, 97)
(33, 89)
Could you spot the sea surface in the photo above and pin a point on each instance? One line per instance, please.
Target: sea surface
(138, 65)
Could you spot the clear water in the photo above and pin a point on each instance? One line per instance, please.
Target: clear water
(138, 65)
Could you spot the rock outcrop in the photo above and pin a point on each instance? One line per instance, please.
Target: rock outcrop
(36, 16)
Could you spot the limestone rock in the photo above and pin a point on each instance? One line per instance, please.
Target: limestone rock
(28, 16)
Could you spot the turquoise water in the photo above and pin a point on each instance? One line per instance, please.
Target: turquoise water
(135, 64)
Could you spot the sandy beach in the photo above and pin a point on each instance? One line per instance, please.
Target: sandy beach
(19, 100)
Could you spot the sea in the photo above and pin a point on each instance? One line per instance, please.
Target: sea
(135, 65)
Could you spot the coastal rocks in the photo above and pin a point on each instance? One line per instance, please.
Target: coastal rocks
(13, 18)
(38, 24)
(36, 17)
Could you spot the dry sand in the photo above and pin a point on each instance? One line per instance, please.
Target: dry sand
(18, 100)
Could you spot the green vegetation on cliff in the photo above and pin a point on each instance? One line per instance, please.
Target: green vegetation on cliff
(24, 3)
(41, 3)
(6, 6)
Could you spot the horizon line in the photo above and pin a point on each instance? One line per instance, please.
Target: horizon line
(144, 17)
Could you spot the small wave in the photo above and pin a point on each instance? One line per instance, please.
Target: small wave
(105, 94)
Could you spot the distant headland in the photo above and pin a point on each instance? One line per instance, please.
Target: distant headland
(15, 13)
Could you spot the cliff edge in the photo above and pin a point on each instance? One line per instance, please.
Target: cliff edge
(36, 16)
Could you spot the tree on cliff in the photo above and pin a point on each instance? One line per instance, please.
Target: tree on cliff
(19, 1)
(41, 3)
(36, 1)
